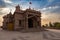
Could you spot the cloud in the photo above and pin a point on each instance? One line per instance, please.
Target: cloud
(4, 11)
(50, 17)
(7, 1)
(53, 3)
(50, 0)
(53, 9)
(48, 8)
(50, 14)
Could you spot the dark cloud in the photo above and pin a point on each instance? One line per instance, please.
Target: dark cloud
(2, 4)
(53, 3)
(53, 9)
(56, 10)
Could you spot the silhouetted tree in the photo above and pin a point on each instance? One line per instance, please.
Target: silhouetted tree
(46, 25)
(50, 24)
(43, 26)
(57, 25)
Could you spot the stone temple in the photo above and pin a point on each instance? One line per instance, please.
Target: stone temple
(22, 20)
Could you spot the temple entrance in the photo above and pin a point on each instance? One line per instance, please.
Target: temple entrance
(30, 23)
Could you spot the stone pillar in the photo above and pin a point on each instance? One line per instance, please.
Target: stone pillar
(39, 22)
(26, 22)
(16, 24)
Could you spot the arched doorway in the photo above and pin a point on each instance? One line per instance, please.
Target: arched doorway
(30, 23)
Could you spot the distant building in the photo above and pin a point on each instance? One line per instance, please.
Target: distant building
(28, 20)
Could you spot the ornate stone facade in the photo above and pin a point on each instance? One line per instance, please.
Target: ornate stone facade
(28, 20)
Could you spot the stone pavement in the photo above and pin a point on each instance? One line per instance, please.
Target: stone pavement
(44, 35)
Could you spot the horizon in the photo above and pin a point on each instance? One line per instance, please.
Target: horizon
(48, 8)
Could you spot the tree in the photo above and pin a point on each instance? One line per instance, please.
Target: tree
(50, 24)
(46, 25)
(43, 26)
(57, 25)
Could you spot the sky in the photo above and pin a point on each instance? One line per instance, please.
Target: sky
(50, 9)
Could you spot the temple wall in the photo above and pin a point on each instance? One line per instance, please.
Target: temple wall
(17, 18)
(23, 18)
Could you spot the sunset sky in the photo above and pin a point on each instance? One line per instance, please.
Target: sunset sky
(50, 9)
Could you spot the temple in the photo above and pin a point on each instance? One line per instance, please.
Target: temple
(22, 20)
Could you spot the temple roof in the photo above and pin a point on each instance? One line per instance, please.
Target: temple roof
(32, 10)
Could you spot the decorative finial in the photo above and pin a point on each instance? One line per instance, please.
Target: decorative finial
(30, 5)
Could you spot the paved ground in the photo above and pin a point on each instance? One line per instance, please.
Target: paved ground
(51, 34)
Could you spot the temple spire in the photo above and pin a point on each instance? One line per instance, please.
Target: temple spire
(17, 8)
